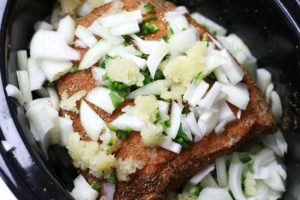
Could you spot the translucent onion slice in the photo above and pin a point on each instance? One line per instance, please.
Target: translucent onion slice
(54, 98)
(175, 120)
(126, 29)
(195, 92)
(221, 171)
(264, 157)
(268, 92)
(22, 59)
(84, 9)
(24, 85)
(180, 10)
(154, 88)
(235, 178)
(145, 46)
(53, 69)
(85, 35)
(131, 121)
(163, 108)
(237, 95)
(94, 54)
(174, 147)
(121, 18)
(214, 193)
(191, 120)
(66, 127)
(66, 28)
(220, 75)
(263, 79)
(156, 57)
(100, 97)
(36, 75)
(13, 91)
(90, 121)
(97, 74)
(51, 45)
(83, 190)
(208, 121)
(185, 127)
(79, 43)
(209, 181)
(178, 23)
(276, 106)
(183, 41)
(211, 96)
(204, 172)
(212, 26)
(274, 179)
(108, 191)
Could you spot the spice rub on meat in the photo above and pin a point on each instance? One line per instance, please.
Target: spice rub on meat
(163, 169)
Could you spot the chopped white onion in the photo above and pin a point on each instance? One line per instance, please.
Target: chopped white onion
(263, 79)
(209, 193)
(247, 61)
(36, 75)
(185, 127)
(94, 54)
(211, 96)
(213, 60)
(225, 113)
(66, 127)
(38, 102)
(42, 25)
(85, 35)
(79, 43)
(131, 121)
(264, 158)
(82, 190)
(268, 92)
(97, 74)
(209, 181)
(237, 95)
(105, 33)
(24, 85)
(84, 9)
(174, 147)
(220, 75)
(274, 179)
(239, 114)
(276, 106)
(204, 172)
(175, 120)
(154, 88)
(146, 46)
(121, 18)
(178, 23)
(163, 108)
(212, 26)
(22, 59)
(90, 121)
(183, 41)
(156, 57)
(195, 92)
(208, 121)
(235, 179)
(180, 10)
(281, 142)
(100, 98)
(13, 91)
(108, 191)
(66, 28)
(191, 120)
(54, 98)
(221, 171)
(51, 45)
(53, 69)
(126, 29)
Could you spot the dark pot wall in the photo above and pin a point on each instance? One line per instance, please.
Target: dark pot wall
(268, 27)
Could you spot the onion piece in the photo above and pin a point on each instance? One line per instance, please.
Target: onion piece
(66, 28)
(173, 147)
(212, 26)
(213, 60)
(220, 75)
(51, 45)
(191, 120)
(211, 96)
(264, 158)
(94, 54)
(36, 75)
(108, 191)
(22, 59)
(84, 9)
(36, 102)
(276, 106)
(131, 121)
(42, 25)
(274, 179)
(180, 10)
(54, 98)
(85, 35)
(237, 95)
(281, 142)
(225, 113)
(178, 23)
(146, 46)
(195, 92)
(268, 92)
(55, 69)
(79, 43)
(82, 190)
(156, 57)
(66, 127)
(90, 121)
(239, 114)
(126, 29)
(185, 127)
(24, 85)
(235, 178)
(13, 91)
(208, 121)
(221, 171)
(263, 79)
(163, 108)
(97, 74)
(183, 41)
(214, 193)
(121, 18)
(175, 120)
(100, 98)
(209, 181)
(105, 33)
(154, 88)
(204, 172)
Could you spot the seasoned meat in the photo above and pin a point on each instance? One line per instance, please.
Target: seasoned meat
(165, 170)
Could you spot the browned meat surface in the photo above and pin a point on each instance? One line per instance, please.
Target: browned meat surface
(165, 170)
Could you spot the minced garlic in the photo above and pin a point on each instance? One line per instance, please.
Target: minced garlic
(88, 155)
(110, 141)
(127, 167)
(125, 71)
(145, 108)
(152, 135)
(69, 103)
(250, 185)
(69, 6)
